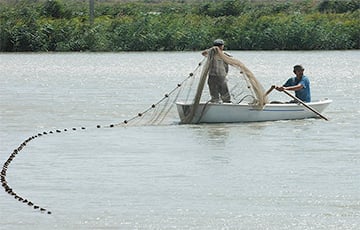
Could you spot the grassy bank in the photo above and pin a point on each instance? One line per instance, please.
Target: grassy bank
(172, 25)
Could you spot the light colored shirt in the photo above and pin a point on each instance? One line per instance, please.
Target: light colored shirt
(218, 67)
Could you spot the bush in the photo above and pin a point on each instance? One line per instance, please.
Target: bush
(52, 25)
(337, 6)
(54, 9)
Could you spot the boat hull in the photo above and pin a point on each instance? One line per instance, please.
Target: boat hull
(234, 113)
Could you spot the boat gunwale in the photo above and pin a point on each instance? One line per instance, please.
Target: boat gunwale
(313, 103)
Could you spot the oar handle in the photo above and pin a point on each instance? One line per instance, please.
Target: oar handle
(305, 105)
(269, 90)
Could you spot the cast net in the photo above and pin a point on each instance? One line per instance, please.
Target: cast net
(243, 88)
(243, 85)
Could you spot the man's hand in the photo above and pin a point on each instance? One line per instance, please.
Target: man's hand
(280, 88)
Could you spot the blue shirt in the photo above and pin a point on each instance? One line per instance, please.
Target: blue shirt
(304, 93)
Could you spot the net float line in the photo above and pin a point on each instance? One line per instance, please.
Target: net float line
(156, 118)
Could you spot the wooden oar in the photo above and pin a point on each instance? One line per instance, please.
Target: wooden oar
(267, 93)
(305, 105)
(269, 90)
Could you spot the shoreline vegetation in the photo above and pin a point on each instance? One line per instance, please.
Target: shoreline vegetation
(150, 25)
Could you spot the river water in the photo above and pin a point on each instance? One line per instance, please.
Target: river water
(300, 174)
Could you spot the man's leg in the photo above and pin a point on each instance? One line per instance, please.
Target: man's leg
(214, 89)
(224, 91)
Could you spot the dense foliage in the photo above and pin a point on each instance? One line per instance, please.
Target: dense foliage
(55, 25)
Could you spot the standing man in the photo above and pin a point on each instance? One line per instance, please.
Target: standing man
(217, 73)
(300, 84)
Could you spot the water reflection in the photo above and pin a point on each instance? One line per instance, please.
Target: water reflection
(221, 134)
(214, 134)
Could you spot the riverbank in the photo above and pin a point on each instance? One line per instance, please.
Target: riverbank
(173, 26)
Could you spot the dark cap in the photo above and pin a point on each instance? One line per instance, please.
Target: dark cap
(298, 67)
(218, 42)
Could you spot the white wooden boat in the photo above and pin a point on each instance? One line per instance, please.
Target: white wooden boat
(243, 112)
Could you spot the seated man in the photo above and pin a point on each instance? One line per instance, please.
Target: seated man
(300, 84)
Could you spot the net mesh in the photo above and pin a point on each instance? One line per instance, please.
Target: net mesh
(243, 88)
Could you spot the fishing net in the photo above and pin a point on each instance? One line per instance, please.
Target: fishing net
(243, 88)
